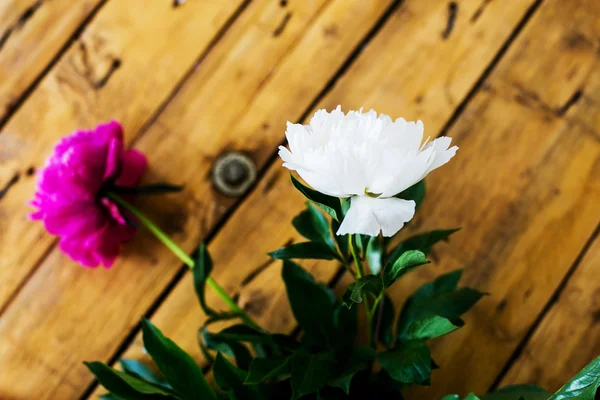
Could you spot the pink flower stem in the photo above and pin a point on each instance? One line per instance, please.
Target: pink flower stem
(183, 256)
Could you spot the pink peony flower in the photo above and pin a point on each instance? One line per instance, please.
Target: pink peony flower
(69, 194)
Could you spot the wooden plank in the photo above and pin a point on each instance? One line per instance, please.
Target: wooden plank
(30, 38)
(262, 222)
(568, 337)
(232, 101)
(523, 187)
(85, 89)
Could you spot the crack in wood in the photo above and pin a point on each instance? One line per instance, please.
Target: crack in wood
(575, 97)
(8, 185)
(452, 12)
(88, 72)
(104, 80)
(23, 18)
(279, 30)
(479, 11)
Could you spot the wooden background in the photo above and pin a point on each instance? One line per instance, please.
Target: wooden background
(516, 83)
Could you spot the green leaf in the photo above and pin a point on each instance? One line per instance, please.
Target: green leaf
(385, 335)
(201, 271)
(430, 327)
(313, 225)
(444, 284)
(305, 250)
(331, 205)
(311, 302)
(416, 193)
(408, 261)
(583, 386)
(310, 372)
(375, 250)
(231, 348)
(423, 242)
(449, 305)
(179, 368)
(361, 359)
(142, 371)
(369, 284)
(345, 322)
(263, 369)
(470, 396)
(409, 362)
(126, 386)
(245, 333)
(515, 392)
(231, 379)
(110, 396)
(341, 240)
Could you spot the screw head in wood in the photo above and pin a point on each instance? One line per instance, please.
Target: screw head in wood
(233, 174)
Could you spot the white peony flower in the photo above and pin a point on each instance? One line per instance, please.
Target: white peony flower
(367, 158)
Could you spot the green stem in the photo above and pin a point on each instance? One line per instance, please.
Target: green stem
(182, 255)
(359, 270)
(360, 274)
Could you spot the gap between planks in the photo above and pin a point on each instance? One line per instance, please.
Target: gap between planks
(552, 301)
(22, 97)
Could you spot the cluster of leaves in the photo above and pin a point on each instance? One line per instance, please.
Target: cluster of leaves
(324, 361)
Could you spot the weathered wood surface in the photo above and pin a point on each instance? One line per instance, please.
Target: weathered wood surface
(524, 185)
(32, 33)
(567, 338)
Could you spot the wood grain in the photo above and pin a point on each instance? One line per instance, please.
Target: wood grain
(568, 337)
(32, 32)
(240, 247)
(84, 89)
(232, 99)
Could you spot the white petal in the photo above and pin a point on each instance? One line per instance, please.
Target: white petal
(441, 152)
(369, 216)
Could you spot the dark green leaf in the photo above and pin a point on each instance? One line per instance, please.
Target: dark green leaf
(179, 368)
(369, 284)
(155, 188)
(202, 270)
(450, 305)
(430, 327)
(361, 359)
(583, 386)
(470, 396)
(110, 396)
(305, 250)
(126, 386)
(408, 261)
(313, 225)
(331, 205)
(515, 392)
(423, 242)
(409, 362)
(375, 250)
(310, 372)
(264, 369)
(416, 193)
(231, 348)
(231, 379)
(384, 316)
(443, 284)
(345, 322)
(245, 333)
(142, 371)
(311, 302)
